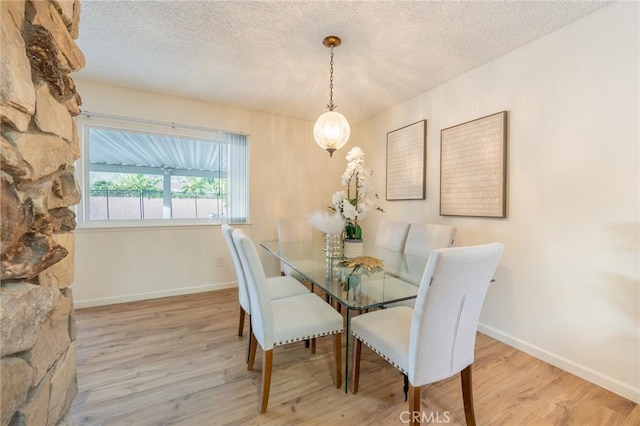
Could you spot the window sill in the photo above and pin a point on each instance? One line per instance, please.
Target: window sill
(131, 225)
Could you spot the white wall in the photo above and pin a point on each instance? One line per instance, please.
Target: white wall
(567, 289)
(287, 179)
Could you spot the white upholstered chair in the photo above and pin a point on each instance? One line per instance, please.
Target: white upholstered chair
(424, 237)
(391, 235)
(277, 287)
(436, 339)
(283, 321)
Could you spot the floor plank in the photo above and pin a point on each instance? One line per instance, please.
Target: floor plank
(179, 361)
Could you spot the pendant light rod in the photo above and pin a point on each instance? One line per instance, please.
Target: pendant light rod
(331, 42)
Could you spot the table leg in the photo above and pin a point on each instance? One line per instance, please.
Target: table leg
(346, 352)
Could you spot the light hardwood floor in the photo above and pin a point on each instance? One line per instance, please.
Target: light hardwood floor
(179, 361)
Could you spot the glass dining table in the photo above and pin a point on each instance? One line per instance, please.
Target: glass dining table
(354, 289)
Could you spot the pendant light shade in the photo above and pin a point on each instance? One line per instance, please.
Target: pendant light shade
(331, 130)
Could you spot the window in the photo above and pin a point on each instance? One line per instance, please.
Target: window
(137, 172)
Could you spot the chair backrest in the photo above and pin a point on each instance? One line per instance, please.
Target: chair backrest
(261, 314)
(424, 237)
(294, 230)
(243, 293)
(392, 235)
(447, 310)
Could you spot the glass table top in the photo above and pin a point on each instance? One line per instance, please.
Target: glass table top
(397, 280)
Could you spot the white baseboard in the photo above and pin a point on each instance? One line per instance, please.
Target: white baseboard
(616, 386)
(101, 301)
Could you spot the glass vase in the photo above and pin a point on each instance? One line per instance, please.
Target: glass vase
(334, 254)
(351, 284)
(333, 246)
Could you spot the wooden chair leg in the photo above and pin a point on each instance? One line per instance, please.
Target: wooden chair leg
(313, 345)
(337, 348)
(467, 396)
(267, 365)
(251, 338)
(405, 386)
(253, 343)
(414, 404)
(355, 373)
(335, 305)
(309, 283)
(241, 322)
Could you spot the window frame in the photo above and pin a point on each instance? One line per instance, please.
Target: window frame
(87, 121)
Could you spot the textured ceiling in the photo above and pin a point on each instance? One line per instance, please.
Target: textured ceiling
(268, 55)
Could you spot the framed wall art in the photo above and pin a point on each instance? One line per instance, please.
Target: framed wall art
(406, 165)
(473, 168)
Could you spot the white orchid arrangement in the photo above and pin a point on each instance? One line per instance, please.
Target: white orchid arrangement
(359, 198)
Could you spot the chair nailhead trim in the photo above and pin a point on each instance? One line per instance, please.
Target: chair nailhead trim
(298, 339)
(379, 353)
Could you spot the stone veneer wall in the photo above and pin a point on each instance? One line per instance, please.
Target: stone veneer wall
(39, 146)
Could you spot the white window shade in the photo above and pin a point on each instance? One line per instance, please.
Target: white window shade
(238, 199)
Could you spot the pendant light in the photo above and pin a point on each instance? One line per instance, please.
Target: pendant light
(331, 130)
